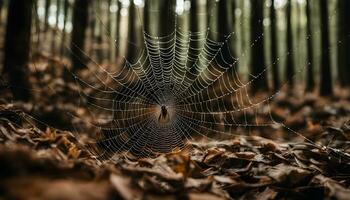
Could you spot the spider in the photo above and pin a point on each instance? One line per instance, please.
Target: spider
(164, 116)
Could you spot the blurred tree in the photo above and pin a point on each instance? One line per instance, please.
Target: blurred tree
(326, 73)
(80, 18)
(212, 10)
(274, 47)
(99, 28)
(109, 30)
(344, 39)
(92, 27)
(58, 11)
(37, 26)
(132, 34)
(65, 17)
(1, 5)
(198, 24)
(17, 47)
(47, 15)
(167, 19)
(257, 50)
(225, 23)
(167, 27)
(117, 26)
(54, 31)
(310, 82)
(109, 17)
(290, 58)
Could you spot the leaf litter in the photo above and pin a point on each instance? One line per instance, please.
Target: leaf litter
(39, 161)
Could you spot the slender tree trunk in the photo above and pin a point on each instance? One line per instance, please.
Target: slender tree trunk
(274, 48)
(65, 13)
(55, 30)
(100, 31)
(47, 15)
(212, 10)
(243, 32)
(326, 75)
(80, 18)
(58, 10)
(225, 25)
(37, 26)
(290, 58)
(17, 47)
(299, 35)
(344, 46)
(132, 35)
(109, 17)
(167, 26)
(310, 84)
(195, 43)
(1, 5)
(117, 27)
(257, 50)
(167, 20)
(197, 24)
(110, 37)
(92, 29)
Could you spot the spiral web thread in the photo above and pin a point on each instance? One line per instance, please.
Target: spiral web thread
(202, 92)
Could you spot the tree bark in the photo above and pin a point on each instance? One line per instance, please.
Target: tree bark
(1, 5)
(257, 50)
(274, 48)
(344, 46)
(65, 13)
(310, 83)
(47, 13)
(55, 30)
(167, 19)
(196, 25)
(80, 19)
(37, 26)
(225, 25)
(326, 75)
(17, 47)
(117, 27)
(213, 10)
(290, 58)
(132, 35)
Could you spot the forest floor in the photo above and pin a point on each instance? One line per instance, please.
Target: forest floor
(39, 161)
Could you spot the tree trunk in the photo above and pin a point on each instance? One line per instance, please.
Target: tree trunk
(212, 10)
(65, 13)
(132, 35)
(92, 29)
(167, 20)
(47, 15)
(290, 58)
(109, 27)
(80, 18)
(37, 27)
(257, 50)
(274, 48)
(1, 5)
(326, 75)
(17, 47)
(195, 44)
(344, 46)
(54, 32)
(117, 27)
(310, 84)
(100, 30)
(225, 25)
(197, 24)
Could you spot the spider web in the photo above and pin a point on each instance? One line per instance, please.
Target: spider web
(199, 88)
